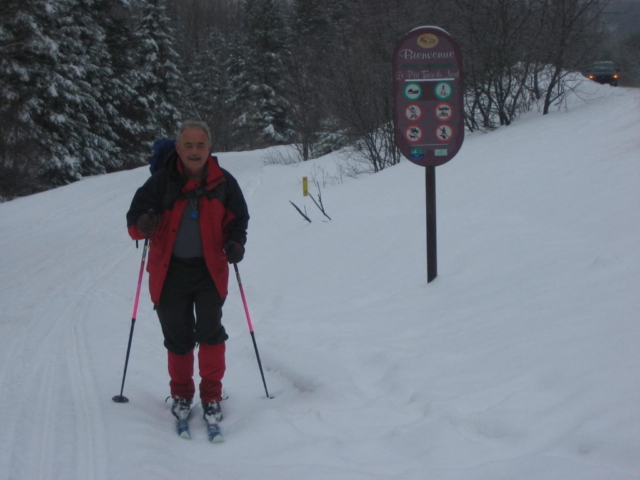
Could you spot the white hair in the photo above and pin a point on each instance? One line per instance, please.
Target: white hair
(187, 124)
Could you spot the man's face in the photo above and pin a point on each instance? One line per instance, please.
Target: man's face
(193, 148)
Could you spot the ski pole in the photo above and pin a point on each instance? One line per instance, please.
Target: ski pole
(253, 337)
(121, 398)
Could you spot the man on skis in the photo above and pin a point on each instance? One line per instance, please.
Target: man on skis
(196, 218)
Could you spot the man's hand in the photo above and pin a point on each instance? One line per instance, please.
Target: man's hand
(234, 252)
(147, 223)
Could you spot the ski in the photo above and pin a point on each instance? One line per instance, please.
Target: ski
(182, 409)
(182, 427)
(214, 433)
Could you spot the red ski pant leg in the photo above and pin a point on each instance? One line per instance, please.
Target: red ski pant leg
(211, 360)
(181, 374)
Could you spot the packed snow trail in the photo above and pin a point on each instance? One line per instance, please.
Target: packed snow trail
(519, 361)
(57, 275)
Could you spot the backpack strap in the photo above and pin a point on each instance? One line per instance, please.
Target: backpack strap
(216, 189)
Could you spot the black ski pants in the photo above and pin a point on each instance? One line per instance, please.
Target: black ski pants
(190, 308)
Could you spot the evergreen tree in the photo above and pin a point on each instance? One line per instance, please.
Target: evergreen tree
(157, 81)
(235, 68)
(38, 93)
(120, 90)
(311, 21)
(55, 74)
(208, 89)
(314, 42)
(85, 64)
(261, 87)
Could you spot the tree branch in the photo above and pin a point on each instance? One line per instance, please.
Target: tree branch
(300, 212)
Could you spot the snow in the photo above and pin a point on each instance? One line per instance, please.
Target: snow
(520, 361)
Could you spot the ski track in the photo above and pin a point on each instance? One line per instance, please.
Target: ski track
(57, 355)
(47, 365)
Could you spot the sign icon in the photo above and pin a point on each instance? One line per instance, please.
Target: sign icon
(428, 40)
(417, 154)
(413, 91)
(413, 112)
(443, 90)
(444, 111)
(414, 133)
(444, 133)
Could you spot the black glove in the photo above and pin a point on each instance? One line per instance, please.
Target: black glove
(147, 223)
(234, 252)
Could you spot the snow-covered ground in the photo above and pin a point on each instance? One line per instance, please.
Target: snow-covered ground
(520, 361)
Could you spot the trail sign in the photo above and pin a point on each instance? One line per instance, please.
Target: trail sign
(428, 96)
(428, 111)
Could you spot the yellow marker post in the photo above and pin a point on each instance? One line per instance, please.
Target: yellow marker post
(305, 187)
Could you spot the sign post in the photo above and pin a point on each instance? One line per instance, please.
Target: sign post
(428, 111)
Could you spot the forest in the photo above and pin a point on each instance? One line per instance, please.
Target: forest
(87, 86)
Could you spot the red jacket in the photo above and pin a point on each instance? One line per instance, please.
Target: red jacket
(222, 215)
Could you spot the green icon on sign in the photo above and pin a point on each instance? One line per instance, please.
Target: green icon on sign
(417, 154)
(412, 91)
(443, 90)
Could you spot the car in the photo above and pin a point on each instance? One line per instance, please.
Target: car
(604, 72)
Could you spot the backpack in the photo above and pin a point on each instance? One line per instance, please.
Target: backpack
(163, 149)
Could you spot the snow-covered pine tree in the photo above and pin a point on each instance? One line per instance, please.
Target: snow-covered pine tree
(207, 89)
(309, 85)
(311, 19)
(85, 65)
(318, 36)
(37, 94)
(235, 68)
(120, 90)
(17, 27)
(259, 90)
(157, 80)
